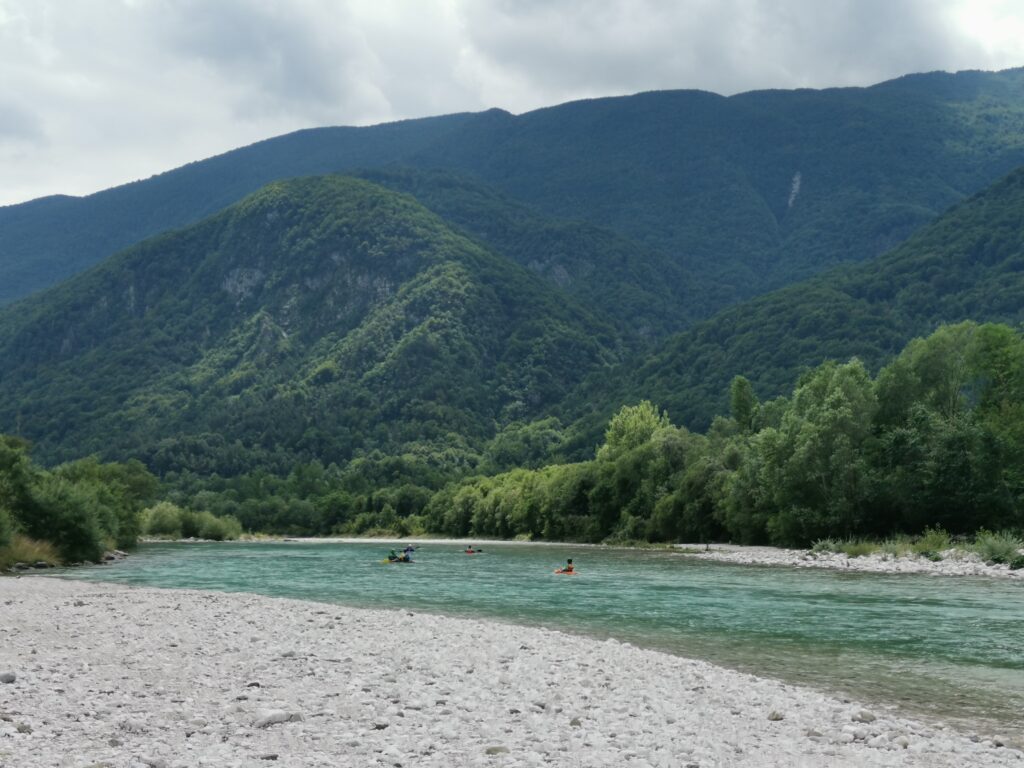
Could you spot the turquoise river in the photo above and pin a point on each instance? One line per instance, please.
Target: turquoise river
(950, 649)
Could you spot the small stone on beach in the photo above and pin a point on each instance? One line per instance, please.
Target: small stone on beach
(267, 717)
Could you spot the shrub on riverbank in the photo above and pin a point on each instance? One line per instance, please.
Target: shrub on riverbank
(166, 520)
(81, 508)
(1001, 547)
(6, 528)
(932, 543)
(21, 549)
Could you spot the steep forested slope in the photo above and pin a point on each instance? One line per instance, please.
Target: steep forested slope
(967, 265)
(318, 317)
(640, 289)
(753, 191)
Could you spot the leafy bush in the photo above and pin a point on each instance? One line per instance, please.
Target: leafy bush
(930, 543)
(1001, 547)
(170, 520)
(218, 528)
(163, 519)
(191, 524)
(6, 528)
(65, 515)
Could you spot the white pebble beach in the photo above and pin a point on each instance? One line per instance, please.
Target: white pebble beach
(953, 562)
(107, 675)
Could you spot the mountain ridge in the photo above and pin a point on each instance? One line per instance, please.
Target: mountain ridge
(706, 179)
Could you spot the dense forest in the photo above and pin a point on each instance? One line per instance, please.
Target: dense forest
(934, 441)
(322, 318)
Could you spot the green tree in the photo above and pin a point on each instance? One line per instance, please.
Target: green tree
(632, 426)
(816, 470)
(743, 403)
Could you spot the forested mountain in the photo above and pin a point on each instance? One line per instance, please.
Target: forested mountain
(639, 289)
(752, 191)
(317, 318)
(969, 264)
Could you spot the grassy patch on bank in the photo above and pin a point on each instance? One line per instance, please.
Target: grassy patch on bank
(22, 549)
(1003, 547)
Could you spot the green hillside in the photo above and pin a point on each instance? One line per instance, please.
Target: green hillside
(640, 289)
(319, 318)
(751, 192)
(45, 241)
(967, 265)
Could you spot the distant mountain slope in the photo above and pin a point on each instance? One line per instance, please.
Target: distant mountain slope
(752, 191)
(642, 290)
(44, 241)
(967, 265)
(317, 318)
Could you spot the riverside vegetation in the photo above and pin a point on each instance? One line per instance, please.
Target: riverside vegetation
(933, 443)
(72, 513)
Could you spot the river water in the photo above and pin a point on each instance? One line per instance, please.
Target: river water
(945, 648)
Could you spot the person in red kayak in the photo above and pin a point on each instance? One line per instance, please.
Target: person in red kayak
(567, 568)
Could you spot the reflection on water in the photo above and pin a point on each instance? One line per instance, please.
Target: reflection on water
(947, 648)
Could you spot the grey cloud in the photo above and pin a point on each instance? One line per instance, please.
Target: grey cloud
(723, 45)
(20, 125)
(128, 88)
(288, 57)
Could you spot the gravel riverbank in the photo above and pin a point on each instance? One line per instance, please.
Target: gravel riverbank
(954, 562)
(105, 675)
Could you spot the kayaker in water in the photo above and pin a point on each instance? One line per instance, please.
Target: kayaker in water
(567, 568)
(394, 557)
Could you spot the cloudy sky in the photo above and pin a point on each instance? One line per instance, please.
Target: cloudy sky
(95, 93)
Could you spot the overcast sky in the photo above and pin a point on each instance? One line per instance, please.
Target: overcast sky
(94, 93)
